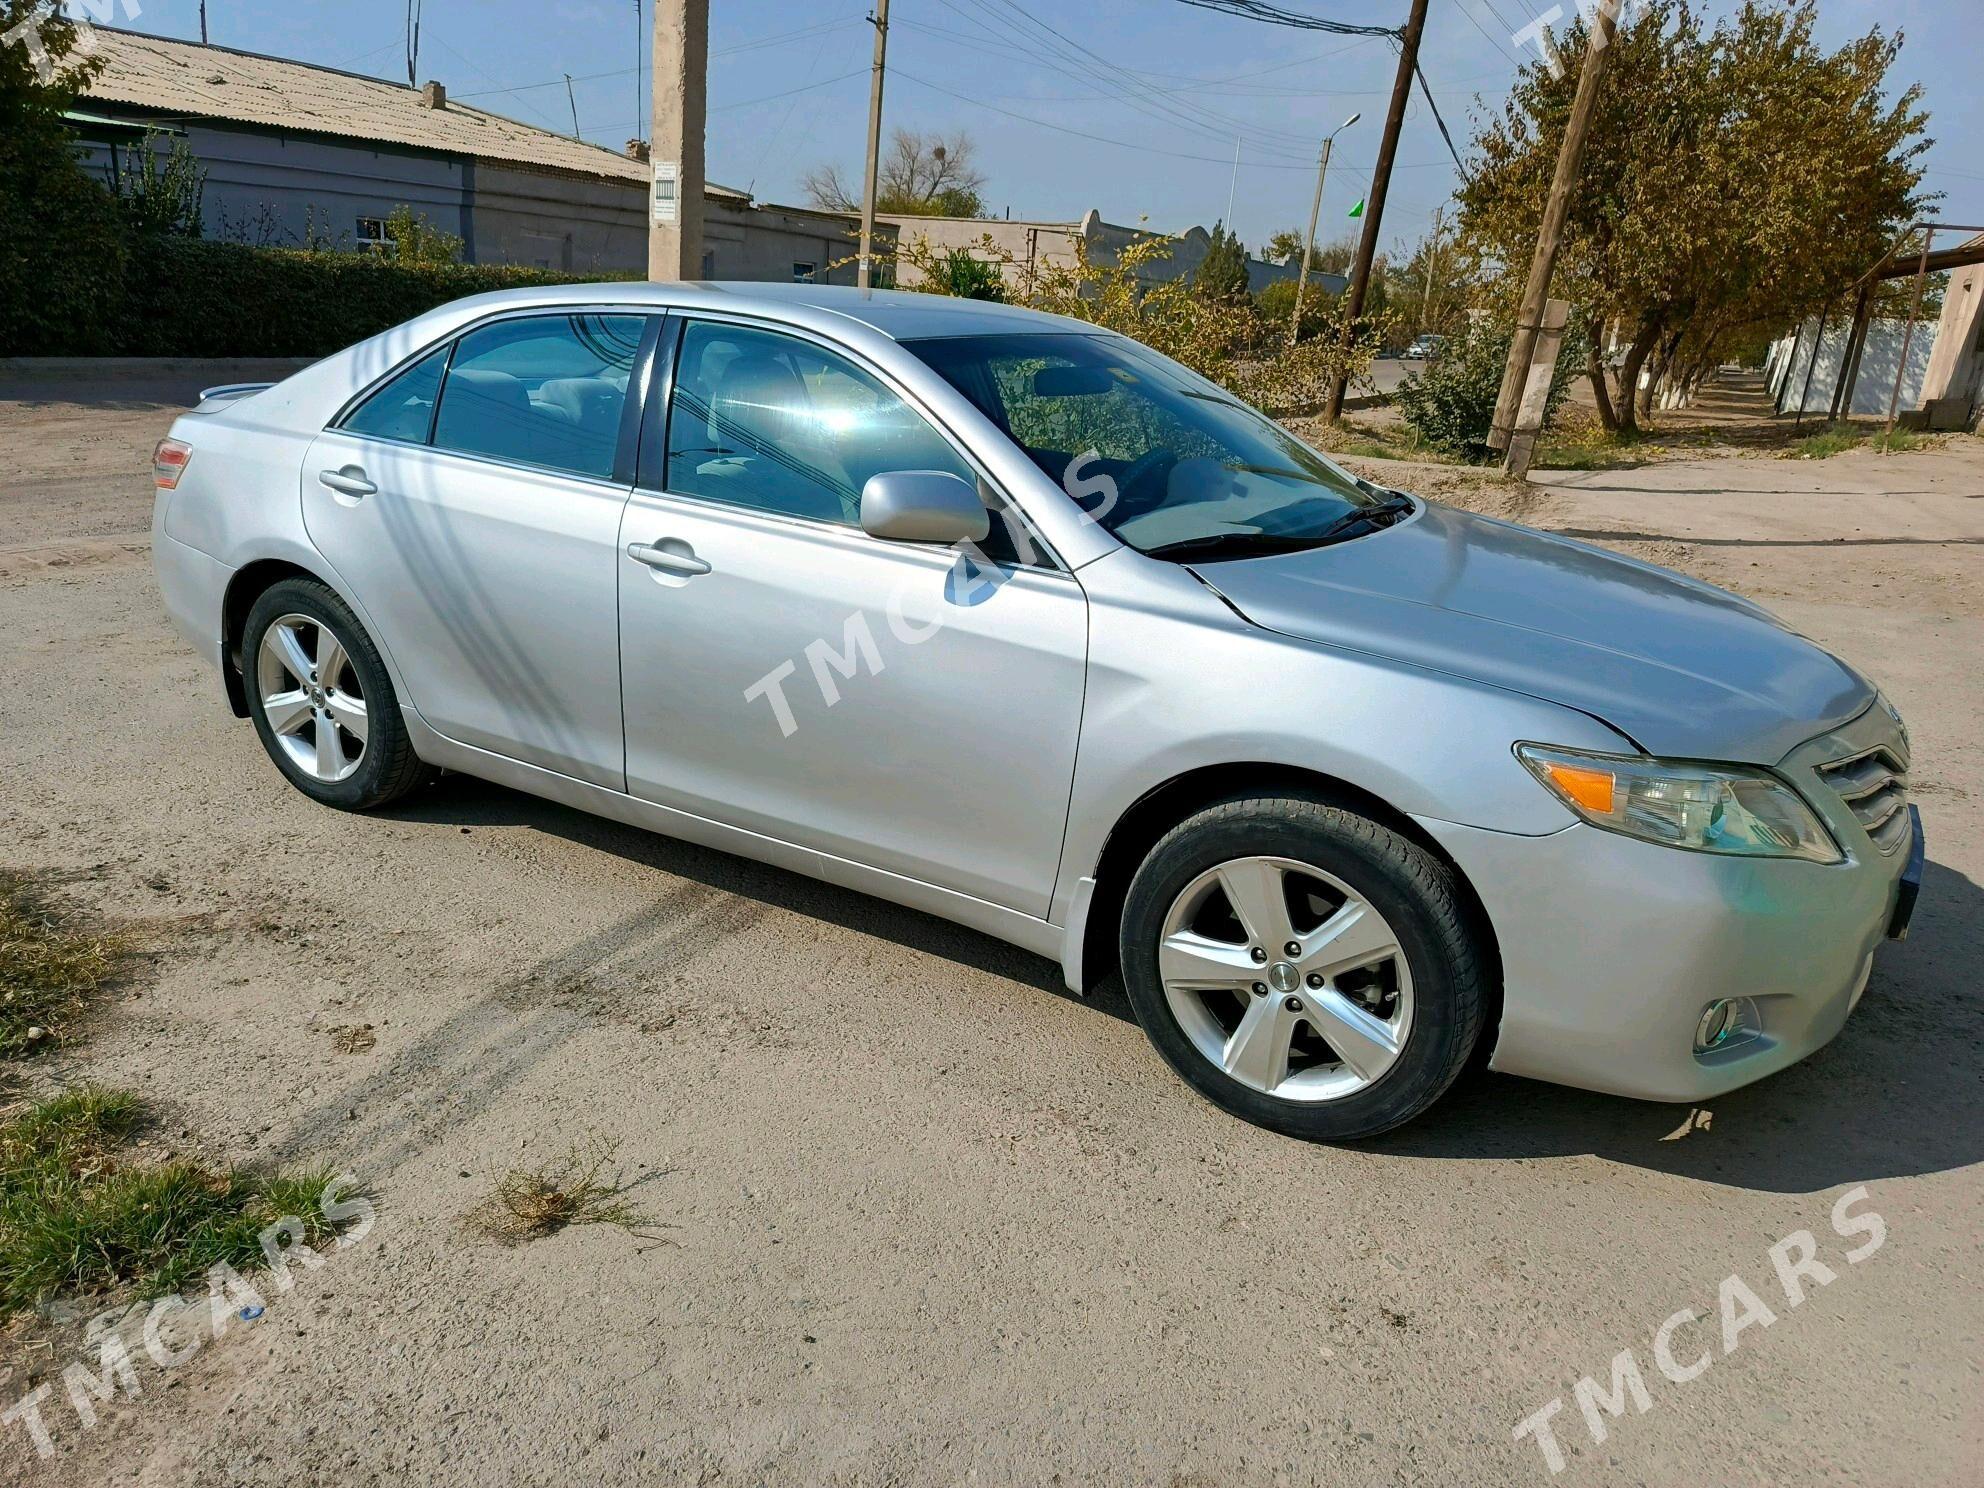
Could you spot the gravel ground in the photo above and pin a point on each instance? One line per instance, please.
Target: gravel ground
(913, 1214)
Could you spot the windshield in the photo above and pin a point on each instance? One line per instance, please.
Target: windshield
(1167, 461)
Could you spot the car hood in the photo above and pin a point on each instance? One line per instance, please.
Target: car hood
(1682, 668)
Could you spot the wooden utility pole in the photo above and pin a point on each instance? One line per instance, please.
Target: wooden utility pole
(681, 79)
(1536, 291)
(865, 269)
(1381, 180)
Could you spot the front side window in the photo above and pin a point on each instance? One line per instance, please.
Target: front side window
(404, 407)
(541, 390)
(774, 423)
(1156, 454)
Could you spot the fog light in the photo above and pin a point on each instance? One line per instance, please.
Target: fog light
(1725, 1021)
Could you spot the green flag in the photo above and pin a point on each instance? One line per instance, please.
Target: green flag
(1358, 210)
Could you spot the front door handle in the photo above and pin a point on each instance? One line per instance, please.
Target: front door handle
(349, 481)
(668, 560)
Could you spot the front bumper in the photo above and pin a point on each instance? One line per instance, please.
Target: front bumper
(1612, 948)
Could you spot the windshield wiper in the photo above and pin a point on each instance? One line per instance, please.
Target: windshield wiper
(1392, 507)
(1234, 544)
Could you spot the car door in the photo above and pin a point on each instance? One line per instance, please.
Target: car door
(472, 504)
(895, 704)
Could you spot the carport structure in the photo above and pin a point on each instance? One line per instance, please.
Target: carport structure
(1894, 264)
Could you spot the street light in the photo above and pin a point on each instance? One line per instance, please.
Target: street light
(1315, 210)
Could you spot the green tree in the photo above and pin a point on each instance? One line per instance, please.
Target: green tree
(61, 235)
(161, 196)
(1735, 179)
(415, 240)
(1222, 273)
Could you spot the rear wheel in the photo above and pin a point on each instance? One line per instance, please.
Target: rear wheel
(1304, 967)
(322, 702)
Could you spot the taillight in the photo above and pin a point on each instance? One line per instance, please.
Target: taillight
(169, 463)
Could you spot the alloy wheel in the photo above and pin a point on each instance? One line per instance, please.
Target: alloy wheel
(1286, 979)
(311, 696)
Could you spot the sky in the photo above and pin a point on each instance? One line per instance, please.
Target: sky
(1133, 107)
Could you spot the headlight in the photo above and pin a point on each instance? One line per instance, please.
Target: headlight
(1707, 808)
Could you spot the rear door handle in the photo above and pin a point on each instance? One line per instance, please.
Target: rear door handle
(668, 560)
(349, 481)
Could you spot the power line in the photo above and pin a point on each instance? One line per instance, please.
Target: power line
(782, 39)
(1225, 160)
(1255, 10)
(1423, 88)
(1063, 54)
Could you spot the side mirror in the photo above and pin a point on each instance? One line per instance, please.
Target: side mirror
(923, 506)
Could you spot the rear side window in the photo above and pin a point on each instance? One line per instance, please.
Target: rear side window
(541, 390)
(404, 407)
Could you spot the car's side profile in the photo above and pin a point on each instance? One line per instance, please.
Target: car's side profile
(995, 615)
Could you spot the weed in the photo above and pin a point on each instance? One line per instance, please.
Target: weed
(48, 970)
(531, 1203)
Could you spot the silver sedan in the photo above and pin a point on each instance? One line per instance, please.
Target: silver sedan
(1010, 619)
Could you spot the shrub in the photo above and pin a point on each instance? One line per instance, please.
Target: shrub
(1276, 303)
(1451, 405)
(958, 273)
(199, 299)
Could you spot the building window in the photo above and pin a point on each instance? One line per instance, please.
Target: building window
(802, 273)
(371, 236)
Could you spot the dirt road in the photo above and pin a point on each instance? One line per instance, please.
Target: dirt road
(915, 1214)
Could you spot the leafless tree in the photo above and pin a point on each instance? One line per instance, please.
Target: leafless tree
(928, 173)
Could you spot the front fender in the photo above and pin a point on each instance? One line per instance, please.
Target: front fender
(1178, 683)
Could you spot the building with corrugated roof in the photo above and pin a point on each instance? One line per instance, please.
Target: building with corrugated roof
(295, 153)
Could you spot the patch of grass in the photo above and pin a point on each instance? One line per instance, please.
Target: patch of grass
(82, 1212)
(48, 969)
(531, 1203)
(1833, 439)
(1901, 439)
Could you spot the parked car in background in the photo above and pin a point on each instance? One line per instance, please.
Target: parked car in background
(1424, 347)
(1013, 620)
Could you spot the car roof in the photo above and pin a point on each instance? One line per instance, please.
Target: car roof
(903, 315)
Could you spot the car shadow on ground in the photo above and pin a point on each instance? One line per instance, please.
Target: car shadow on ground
(460, 800)
(1897, 1093)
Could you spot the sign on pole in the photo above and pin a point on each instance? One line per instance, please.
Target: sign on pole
(1535, 400)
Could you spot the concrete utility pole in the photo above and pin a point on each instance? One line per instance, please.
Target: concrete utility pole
(1570, 156)
(1381, 180)
(681, 77)
(865, 270)
(1309, 243)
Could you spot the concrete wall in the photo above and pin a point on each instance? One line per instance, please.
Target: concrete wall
(263, 188)
(1790, 362)
(271, 190)
(1033, 246)
(1956, 366)
(768, 244)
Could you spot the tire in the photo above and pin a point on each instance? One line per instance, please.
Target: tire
(368, 761)
(1411, 1014)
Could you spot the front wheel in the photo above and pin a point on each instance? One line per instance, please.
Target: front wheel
(1306, 968)
(322, 702)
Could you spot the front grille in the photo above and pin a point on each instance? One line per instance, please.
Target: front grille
(1874, 787)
